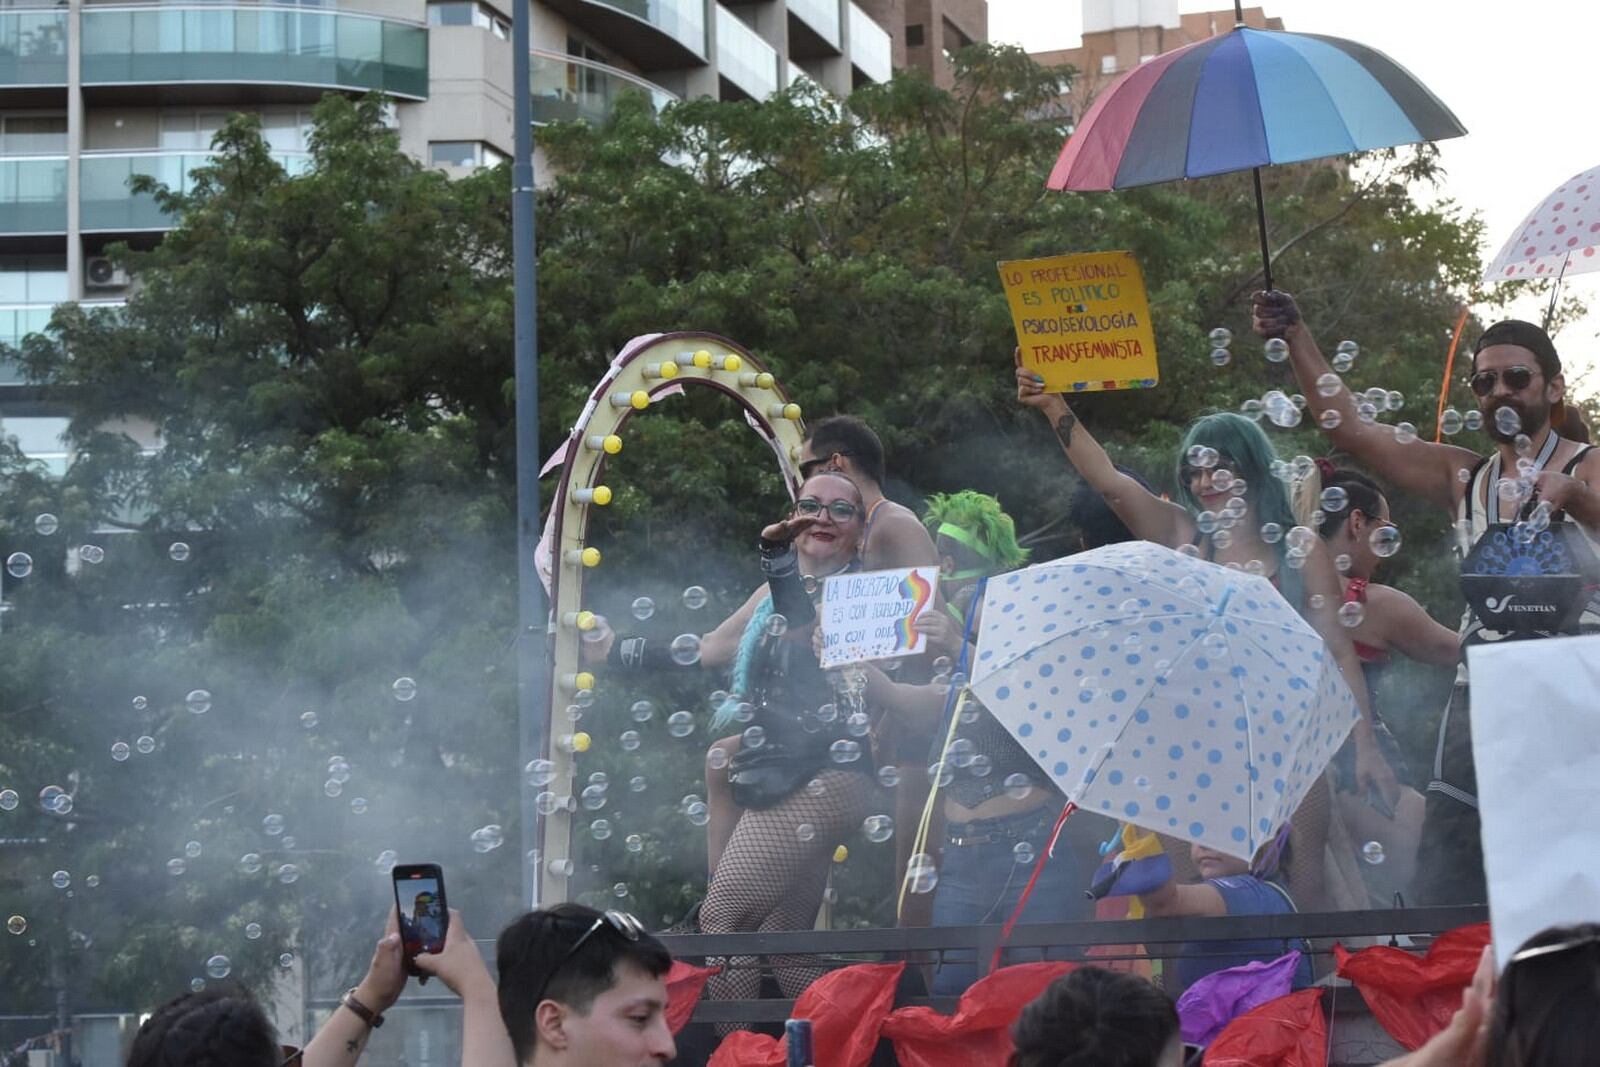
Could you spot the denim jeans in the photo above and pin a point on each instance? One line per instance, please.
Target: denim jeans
(980, 883)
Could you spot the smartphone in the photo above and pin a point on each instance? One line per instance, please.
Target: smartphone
(424, 913)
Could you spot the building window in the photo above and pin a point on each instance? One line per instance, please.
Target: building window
(33, 279)
(33, 135)
(464, 154)
(1108, 64)
(469, 13)
(914, 35)
(39, 437)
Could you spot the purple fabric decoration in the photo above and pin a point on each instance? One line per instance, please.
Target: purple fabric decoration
(1217, 999)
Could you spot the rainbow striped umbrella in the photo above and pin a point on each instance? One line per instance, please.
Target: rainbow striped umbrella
(1242, 101)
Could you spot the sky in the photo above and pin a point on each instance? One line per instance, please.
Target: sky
(1518, 76)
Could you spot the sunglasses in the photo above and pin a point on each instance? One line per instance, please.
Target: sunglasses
(841, 510)
(812, 466)
(621, 923)
(1516, 378)
(1189, 472)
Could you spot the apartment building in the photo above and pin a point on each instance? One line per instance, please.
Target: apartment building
(93, 92)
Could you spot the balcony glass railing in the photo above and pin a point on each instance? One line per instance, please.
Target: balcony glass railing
(253, 44)
(821, 15)
(566, 88)
(870, 48)
(107, 204)
(33, 194)
(682, 20)
(33, 48)
(744, 58)
(18, 321)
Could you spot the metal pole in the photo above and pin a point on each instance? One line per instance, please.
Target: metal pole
(533, 683)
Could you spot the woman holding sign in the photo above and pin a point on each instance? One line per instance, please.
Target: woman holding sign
(1232, 509)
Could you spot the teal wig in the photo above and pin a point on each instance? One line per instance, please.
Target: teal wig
(1245, 443)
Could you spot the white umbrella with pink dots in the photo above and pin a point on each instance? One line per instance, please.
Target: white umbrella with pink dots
(1559, 237)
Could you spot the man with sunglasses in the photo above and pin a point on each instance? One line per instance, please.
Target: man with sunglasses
(894, 536)
(1533, 478)
(583, 988)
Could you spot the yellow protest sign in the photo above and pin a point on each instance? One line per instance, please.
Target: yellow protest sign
(1083, 322)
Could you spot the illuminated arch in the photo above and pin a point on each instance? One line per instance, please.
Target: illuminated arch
(647, 369)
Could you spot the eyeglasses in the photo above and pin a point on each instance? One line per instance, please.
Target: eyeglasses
(812, 466)
(1188, 472)
(621, 923)
(1516, 378)
(841, 510)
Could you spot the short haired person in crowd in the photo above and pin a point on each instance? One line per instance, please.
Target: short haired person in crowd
(1520, 389)
(583, 988)
(893, 536)
(1098, 1018)
(226, 1028)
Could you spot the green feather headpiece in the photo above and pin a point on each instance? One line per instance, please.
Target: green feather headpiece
(978, 521)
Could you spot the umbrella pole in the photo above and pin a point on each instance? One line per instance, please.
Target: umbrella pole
(1555, 291)
(1261, 228)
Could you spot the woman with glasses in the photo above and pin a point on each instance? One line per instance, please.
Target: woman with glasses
(1232, 508)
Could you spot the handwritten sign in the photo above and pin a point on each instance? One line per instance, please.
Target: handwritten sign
(872, 615)
(1083, 322)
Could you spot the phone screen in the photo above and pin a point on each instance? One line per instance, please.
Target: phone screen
(419, 894)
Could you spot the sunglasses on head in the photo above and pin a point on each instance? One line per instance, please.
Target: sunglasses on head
(841, 510)
(1516, 378)
(621, 923)
(812, 466)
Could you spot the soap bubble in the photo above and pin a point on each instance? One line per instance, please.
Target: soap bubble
(1509, 489)
(629, 740)
(1252, 409)
(1271, 533)
(1334, 499)
(1018, 785)
(358, 805)
(1222, 480)
(805, 831)
(46, 524)
(176, 866)
(1221, 357)
(50, 797)
(547, 803)
(9, 800)
(17, 925)
(717, 758)
(19, 564)
(694, 597)
(140, 703)
(844, 751)
(250, 863)
(145, 744)
(680, 724)
(697, 813)
(272, 824)
(1367, 412)
(1451, 422)
(252, 931)
(404, 689)
(1276, 350)
(1206, 522)
(1330, 419)
(941, 773)
(922, 875)
(1347, 348)
(120, 751)
(1394, 400)
(642, 711)
(178, 551)
(637, 784)
(539, 772)
(777, 625)
(487, 838)
(1385, 541)
(859, 724)
(1222, 539)
(91, 553)
(198, 701)
(1328, 385)
(1220, 337)
(600, 829)
(1372, 852)
(643, 608)
(219, 967)
(1405, 433)
(286, 960)
(386, 860)
(1473, 419)
(1341, 563)
(1341, 362)
(619, 890)
(878, 828)
(192, 849)
(288, 874)
(1022, 852)
(888, 776)
(1351, 614)
(308, 720)
(1215, 645)
(197, 985)
(332, 787)
(61, 879)
(685, 650)
(1507, 421)
(1201, 456)
(93, 881)
(594, 797)
(634, 843)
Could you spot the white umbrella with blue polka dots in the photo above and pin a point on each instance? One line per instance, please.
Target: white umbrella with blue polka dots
(1163, 690)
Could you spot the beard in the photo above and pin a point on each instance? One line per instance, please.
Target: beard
(1532, 419)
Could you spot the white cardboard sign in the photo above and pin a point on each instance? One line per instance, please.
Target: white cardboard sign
(872, 615)
(1536, 743)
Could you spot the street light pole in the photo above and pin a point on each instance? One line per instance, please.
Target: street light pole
(533, 667)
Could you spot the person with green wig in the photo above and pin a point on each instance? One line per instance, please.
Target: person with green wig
(974, 538)
(1233, 508)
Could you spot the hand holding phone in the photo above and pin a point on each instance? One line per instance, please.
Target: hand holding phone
(424, 912)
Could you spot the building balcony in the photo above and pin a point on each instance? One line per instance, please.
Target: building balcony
(33, 49)
(813, 29)
(33, 195)
(871, 50)
(567, 88)
(744, 58)
(16, 322)
(258, 44)
(650, 34)
(107, 205)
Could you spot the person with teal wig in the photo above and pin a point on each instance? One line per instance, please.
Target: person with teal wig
(1232, 508)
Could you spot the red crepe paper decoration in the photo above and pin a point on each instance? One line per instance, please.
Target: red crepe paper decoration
(685, 982)
(846, 1008)
(979, 1033)
(1414, 997)
(1287, 1032)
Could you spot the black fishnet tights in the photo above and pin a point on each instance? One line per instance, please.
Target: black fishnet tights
(771, 879)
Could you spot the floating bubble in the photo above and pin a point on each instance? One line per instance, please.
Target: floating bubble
(1405, 433)
(50, 796)
(629, 740)
(642, 711)
(1341, 363)
(1201, 456)
(1367, 412)
(941, 773)
(1507, 421)
(488, 838)
(539, 772)
(219, 967)
(1018, 785)
(17, 925)
(1330, 419)
(634, 843)
(643, 608)
(120, 751)
(1022, 853)
(697, 813)
(695, 598)
(198, 701)
(1473, 419)
(1220, 337)
(1509, 489)
(19, 564)
(1451, 422)
(600, 829)
(1351, 614)
(805, 831)
(176, 866)
(717, 757)
(637, 784)
(1222, 480)
(619, 890)
(859, 724)
(93, 881)
(1328, 385)
(685, 650)
(960, 752)
(286, 960)
(192, 849)
(272, 824)
(1347, 348)
(404, 689)
(386, 860)
(1393, 400)
(1385, 541)
(9, 800)
(1334, 499)
(1215, 645)
(61, 879)
(547, 803)
(1372, 852)
(332, 787)
(922, 874)
(288, 874)
(1142, 784)
(91, 553)
(145, 744)
(718, 698)
(287, 842)
(46, 524)
(1206, 522)
(250, 863)
(178, 551)
(777, 625)
(1271, 533)
(1221, 357)
(844, 751)
(744, 711)
(593, 797)
(878, 828)
(1222, 539)
(1276, 350)
(981, 766)
(1341, 563)
(888, 776)
(680, 724)
(252, 931)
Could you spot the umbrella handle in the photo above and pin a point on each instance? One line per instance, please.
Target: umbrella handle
(1027, 890)
(1261, 228)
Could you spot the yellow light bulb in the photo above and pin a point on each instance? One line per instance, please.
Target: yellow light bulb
(732, 363)
(612, 444)
(841, 854)
(640, 399)
(764, 380)
(583, 620)
(791, 412)
(590, 557)
(581, 742)
(602, 495)
(702, 359)
(583, 680)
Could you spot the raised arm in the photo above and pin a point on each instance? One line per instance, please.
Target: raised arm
(1422, 467)
(1402, 624)
(1148, 516)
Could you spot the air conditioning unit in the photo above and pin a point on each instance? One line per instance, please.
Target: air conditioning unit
(101, 273)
